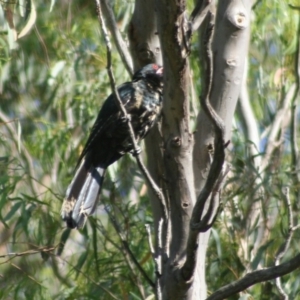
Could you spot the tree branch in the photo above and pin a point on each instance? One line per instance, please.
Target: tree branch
(276, 127)
(284, 248)
(120, 43)
(198, 14)
(215, 171)
(295, 162)
(269, 273)
(157, 257)
(13, 255)
(256, 277)
(128, 254)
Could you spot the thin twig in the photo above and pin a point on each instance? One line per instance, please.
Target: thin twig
(136, 148)
(294, 7)
(128, 254)
(159, 260)
(295, 163)
(123, 250)
(128, 250)
(13, 255)
(255, 277)
(104, 232)
(287, 242)
(277, 127)
(120, 43)
(159, 257)
(89, 278)
(148, 230)
(112, 79)
(157, 191)
(29, 276)
(291, 227)
(198, 14)
(24, 152)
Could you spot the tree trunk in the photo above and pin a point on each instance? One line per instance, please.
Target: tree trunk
(230, 47)
(180, 161)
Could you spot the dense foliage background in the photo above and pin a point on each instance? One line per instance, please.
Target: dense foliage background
(52, 84)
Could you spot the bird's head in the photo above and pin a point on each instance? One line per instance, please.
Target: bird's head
(151, 72)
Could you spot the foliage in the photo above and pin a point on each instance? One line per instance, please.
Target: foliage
(51, 86)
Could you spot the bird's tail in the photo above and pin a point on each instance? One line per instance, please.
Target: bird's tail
(82, 195)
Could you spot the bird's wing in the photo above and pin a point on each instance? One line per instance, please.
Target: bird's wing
(108, 114)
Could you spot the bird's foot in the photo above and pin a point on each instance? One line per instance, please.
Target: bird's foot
(126, 119)
(136, 152)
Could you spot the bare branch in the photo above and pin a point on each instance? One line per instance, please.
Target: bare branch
(13, 255)
(198, 14)
(120, 43)
(248, 119)
(160, 246)
(157, 191)
(157, 257)
(104, 232)
(256, 277)
(148, 230)
(128, 254)
(24, 272)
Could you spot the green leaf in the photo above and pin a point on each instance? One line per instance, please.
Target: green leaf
(30, 22)
(216, 237)
(63, 239)
(52, 4)
(81, 262)
(261, 252)
(136, 297)
(13, 210)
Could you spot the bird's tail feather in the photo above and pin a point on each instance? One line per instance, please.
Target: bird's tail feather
(82, 195)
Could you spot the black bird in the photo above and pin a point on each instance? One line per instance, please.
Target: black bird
(109, 140)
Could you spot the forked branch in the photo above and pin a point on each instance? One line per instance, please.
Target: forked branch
(200, 222)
